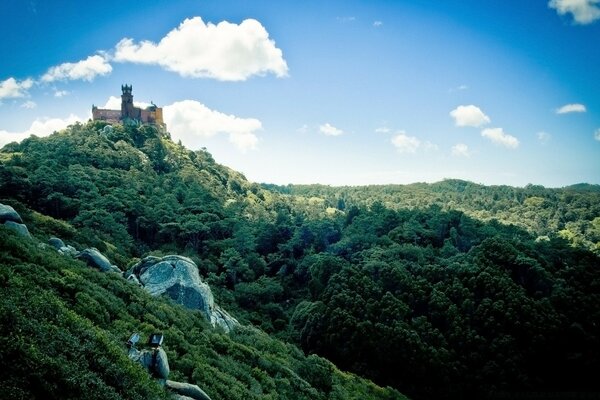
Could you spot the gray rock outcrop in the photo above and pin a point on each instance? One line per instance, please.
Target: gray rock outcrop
(178, 278)
(20, 228)
(186, 391)
(97, 260)
(61, 247)
(7, 213)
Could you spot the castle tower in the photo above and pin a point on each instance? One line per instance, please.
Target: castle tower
(127, 108)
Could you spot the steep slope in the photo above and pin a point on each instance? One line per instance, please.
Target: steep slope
(64, 326)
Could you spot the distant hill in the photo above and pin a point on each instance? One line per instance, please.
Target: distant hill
(442, 290)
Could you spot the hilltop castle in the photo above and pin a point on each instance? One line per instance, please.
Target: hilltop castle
(129, 113)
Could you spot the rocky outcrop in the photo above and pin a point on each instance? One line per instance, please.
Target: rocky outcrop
(7, 213)
(178, 278)
(186, 391)
(61, 247)
(11, 219)
(21, 229)
(97, 260)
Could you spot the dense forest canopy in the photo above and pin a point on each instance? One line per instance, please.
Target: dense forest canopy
(437, 290)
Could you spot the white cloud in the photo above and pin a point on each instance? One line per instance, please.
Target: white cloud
(12, 88)
(583, 11)
(85, 70)
(571, 108)
(40, 127)
(469, 116)
(499, 137)
(60, 93)
(114, 103)
(597, 134)
(383, 129)
(191, 122)
(330, 130)
(377, 24)
(29, 104)
(405, 143)
(543, 137)
(226, 51)
(346, 19)
(461, 150)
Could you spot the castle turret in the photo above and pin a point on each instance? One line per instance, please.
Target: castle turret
(127, 108)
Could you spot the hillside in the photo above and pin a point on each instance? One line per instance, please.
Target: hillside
(444, 290)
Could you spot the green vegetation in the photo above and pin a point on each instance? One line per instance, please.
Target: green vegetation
(444, 290)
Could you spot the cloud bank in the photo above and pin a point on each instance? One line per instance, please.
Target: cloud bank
(191, 121)
(571, 108)
(469, 116)
(85, 70)
(11, 88)
(40, 127)
(499, 137)
(226, 51)
(583, 11)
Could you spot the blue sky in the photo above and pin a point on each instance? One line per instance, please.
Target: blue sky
(338, 92)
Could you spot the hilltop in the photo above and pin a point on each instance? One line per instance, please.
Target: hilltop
(437, 290)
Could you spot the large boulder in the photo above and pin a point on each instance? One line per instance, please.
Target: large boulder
(97, 260)
(20, 228)
(7, 213)
(178, 278)
(61, 247)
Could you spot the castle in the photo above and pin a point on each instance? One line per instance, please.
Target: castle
(128, 112)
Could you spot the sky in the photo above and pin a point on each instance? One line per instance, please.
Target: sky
(335, 92)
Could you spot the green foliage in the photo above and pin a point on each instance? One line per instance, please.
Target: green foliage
(440, 290)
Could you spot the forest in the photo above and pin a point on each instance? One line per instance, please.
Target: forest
(444, 290)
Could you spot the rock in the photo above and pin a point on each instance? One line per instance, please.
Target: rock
(186, 390)
(20, 228)
(155, 361)
(178, 278)
(7, 213)
(56, 243)
(59, 245)
(97, 260)
(68, 250)
(222, 318)
(133, 279)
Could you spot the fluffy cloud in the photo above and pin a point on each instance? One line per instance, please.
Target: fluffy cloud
(499, 137)
(85, 70)
(29, 104)
(583, 11)
(405, 143)
(469, 116)
(191, 122)
(40, 127)
(377, 24)
(570, 108)
(330, 130)
(597, 134)
(114, 103)
(461, 150)
(12, 88)
(226, 51)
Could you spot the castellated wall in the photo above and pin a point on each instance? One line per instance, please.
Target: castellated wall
(106, 115)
